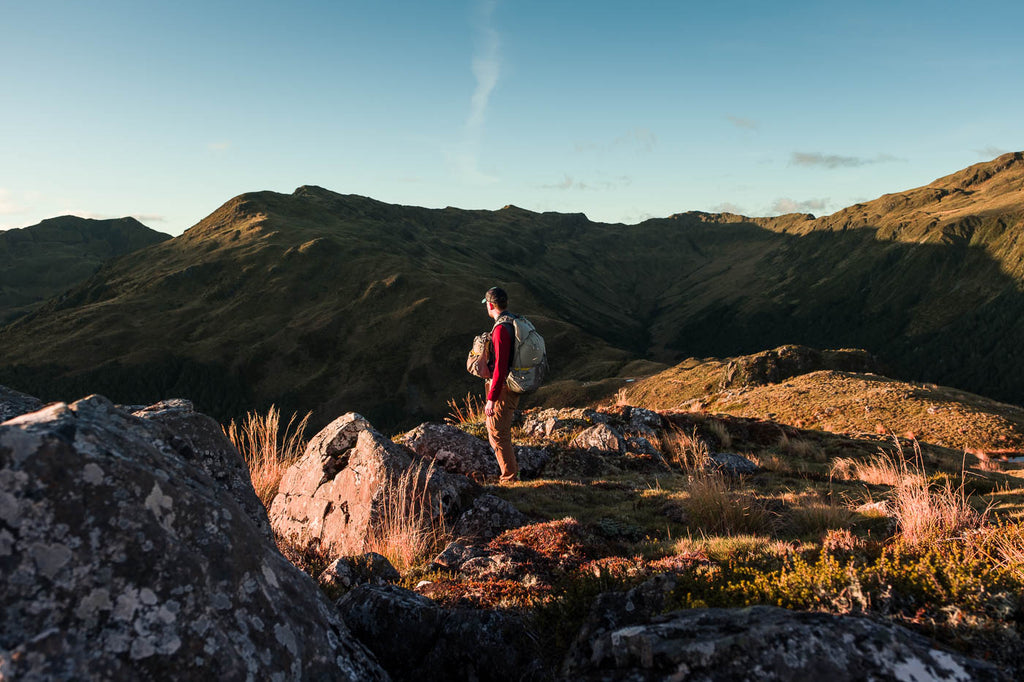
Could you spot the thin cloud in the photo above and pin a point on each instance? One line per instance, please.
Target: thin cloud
(149, 218)
(990, 152)
(486, 68)
(832, 161)
(785, 205)
(744, 123)
(727, 207)
(568, 182)
(219, 146)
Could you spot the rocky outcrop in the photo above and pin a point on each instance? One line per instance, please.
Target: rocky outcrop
(458, 452)
(339, 491)
(14, 403)
(417, 640)
(779, 364)
(489, 517)
(764, 643)
(124, 558)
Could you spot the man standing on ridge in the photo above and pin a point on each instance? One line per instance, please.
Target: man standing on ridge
(501, 402)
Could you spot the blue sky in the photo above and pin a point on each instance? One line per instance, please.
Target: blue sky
(620, 110)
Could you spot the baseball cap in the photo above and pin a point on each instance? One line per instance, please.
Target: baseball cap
(496, 295)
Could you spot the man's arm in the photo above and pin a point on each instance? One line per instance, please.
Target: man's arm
(501, 339)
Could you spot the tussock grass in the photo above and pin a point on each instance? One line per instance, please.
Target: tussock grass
(715, 509)
(469, 411)
(687, 450)
(721, 433)
(408, 530)
(817, 519)
(802, 448)
(266, 449)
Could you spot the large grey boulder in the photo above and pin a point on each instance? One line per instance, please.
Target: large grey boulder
(458, 452)
(201, 440)
(123, 559)
(765, 643)
(337, 494)
(417, 640)
(14, 403)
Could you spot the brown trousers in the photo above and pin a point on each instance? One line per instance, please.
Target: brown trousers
(499, 434)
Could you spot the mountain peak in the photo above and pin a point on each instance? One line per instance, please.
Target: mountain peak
(1003, 168)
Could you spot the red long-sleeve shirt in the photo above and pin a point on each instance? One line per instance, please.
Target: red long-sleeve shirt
(503, 341)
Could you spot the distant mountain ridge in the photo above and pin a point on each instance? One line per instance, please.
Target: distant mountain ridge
(43, 260)
(318, 300)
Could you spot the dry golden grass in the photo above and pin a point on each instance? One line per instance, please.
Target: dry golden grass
(928, 513)
(882, 469)
(408, 529)
(470, 410)
(716, 510)
(1007, 543)
(801, 448)
(687, 450)
(818, 518)
(267, 450)
(721, 432)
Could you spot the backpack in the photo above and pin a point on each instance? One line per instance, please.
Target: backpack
(529, 357)
(479, 356)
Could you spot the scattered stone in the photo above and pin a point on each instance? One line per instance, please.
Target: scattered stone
(333, 496)
(14, 403)
(123, 559)
(600, 437)
(453, 449)
(732, 465)
(456, 554)
(531, 461)
(418, 640)
(766, 643)
(458, 452)
(350, 571)
(489, 517)
(494, 567)
(642, 418)
(551, 421)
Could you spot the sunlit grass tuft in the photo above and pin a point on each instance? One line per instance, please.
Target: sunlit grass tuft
(267, 450)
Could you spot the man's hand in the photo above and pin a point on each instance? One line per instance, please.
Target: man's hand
(489, 408)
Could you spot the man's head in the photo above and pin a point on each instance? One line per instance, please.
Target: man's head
(496, 300)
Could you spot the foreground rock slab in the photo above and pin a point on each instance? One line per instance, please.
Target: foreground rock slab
(419, 641)
(766, 643)
(124, 559)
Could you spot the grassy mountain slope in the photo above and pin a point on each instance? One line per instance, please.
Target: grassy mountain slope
(835, 391)
(41, 261)
(334, 302)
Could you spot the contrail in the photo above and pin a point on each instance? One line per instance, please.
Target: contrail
(486, 66)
